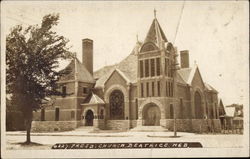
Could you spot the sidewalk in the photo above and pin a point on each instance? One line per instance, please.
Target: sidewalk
(49, 139)
(102, 133)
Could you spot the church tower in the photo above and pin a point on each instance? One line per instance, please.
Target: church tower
(155, 77)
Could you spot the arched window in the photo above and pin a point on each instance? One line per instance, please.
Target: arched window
(198, 106)
(148, 47)
(116, 102)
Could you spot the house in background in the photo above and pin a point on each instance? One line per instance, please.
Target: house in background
(226, 116)
(237, 116)
(142, 90)
(231, 117)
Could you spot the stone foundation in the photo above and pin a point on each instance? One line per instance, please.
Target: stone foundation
(101, 124)
(50, 126)
(117, 124)
(133, 123)
(209, 125)
(194, 125)
(163, 122)
(183, 125)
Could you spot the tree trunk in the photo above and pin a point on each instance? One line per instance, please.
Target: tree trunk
(28, 128)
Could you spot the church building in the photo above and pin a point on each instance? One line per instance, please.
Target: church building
(148, 88)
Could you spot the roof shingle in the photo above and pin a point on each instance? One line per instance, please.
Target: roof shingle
(128, 67)
(155, 34)
(94, 99)
(77, 71)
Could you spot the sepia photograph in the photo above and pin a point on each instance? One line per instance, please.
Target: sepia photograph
(124, 79)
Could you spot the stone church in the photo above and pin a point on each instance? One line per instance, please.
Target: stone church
(145, 89)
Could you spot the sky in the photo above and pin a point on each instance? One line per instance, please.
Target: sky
(216, 33)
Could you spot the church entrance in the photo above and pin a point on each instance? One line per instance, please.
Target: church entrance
(89, 118)
(151, 115)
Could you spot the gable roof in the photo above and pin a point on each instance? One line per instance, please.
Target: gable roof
(155, 34)
(222, 111)
(94, 99)
(187, 74)
(184, 73)
(179, 79)
(120, 73)
(104, 70)
(75, 70)
(127, 67)
(192, 73)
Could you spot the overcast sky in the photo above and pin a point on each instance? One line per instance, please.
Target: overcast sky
(215, 33)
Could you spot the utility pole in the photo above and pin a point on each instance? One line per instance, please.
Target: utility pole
(175, 67)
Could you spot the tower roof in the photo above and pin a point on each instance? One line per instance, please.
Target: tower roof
(77, 71)
(155, 34)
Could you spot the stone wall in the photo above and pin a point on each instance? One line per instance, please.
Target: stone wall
(209, 125)
(133, 123)
(117, 124)
(183, 125)
(101, 124)
(217, 125)
(163, 122)
(194, 125)
(50, 126)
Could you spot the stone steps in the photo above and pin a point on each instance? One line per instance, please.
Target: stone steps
(149, 129)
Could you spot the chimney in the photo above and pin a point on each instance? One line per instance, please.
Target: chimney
(184, 58)
(87, 54)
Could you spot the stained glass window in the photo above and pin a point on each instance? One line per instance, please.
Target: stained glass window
(116, 101)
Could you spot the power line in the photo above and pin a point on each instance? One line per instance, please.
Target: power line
(178, 25)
